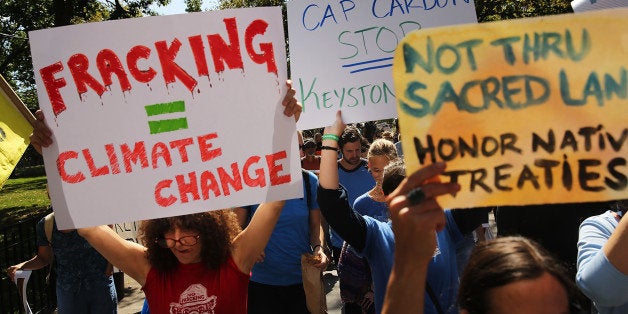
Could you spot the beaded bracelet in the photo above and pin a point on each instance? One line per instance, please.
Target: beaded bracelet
(330, 137)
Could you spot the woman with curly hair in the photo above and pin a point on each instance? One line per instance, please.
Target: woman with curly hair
(193, 262)
(198, 263)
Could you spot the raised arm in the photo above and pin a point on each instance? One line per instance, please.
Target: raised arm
(328, 175)
(42, 135)
(129, 256)
(250, 243)
(602, 260)
(332, 199)
(415, 223)
(616, 249)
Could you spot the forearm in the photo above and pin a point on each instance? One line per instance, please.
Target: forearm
(34, 263)
(340, 217)
(321, 236)
(250, 243)
(405, 292)
(328, 175)
(317, 237)
(37, 262)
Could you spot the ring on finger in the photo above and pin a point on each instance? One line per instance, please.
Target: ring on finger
(415, 196)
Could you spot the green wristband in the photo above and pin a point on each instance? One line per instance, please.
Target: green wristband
(331, 137)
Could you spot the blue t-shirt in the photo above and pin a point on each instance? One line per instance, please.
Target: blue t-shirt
(367, 206)
(79, 266)
(597, 277)
(290, 239)
(442, 274)
(356, 182)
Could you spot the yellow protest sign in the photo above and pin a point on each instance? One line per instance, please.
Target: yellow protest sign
(14, 132)
(527, 111)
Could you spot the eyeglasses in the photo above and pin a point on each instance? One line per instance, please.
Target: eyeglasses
(168, 243)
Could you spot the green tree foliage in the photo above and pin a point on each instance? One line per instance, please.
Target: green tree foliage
(193, 5)
(230, 4)
(495, 10)
(18, 17)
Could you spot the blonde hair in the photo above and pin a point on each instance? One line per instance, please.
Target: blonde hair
(383, 147)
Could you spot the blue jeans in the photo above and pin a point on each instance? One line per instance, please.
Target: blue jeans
(95, 300)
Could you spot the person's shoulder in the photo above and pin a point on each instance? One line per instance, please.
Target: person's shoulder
(309, 173)
(605, 220)
(312, 177)
(39, 228)
(373, 223)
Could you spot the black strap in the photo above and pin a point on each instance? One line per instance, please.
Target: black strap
(432, 295)
(308, 193)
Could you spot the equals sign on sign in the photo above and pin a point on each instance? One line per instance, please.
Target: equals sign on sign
(166, 125)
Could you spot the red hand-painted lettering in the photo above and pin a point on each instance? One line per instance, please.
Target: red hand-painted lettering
(169, 67)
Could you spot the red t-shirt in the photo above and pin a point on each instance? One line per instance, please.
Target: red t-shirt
(311, 165)
(192, 288)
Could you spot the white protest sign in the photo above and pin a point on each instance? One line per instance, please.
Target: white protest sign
(164, 116)
(341, 52)
(591, 5)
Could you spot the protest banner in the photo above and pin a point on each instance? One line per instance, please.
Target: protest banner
(529, 111)
(163, 116)
(15, 128)
(341, 52)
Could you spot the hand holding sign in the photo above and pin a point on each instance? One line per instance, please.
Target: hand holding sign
(185, 92)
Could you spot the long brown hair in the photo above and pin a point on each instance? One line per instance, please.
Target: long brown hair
(215, 228)
(505, 260)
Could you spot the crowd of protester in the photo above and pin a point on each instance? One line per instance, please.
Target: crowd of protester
(395, 249)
